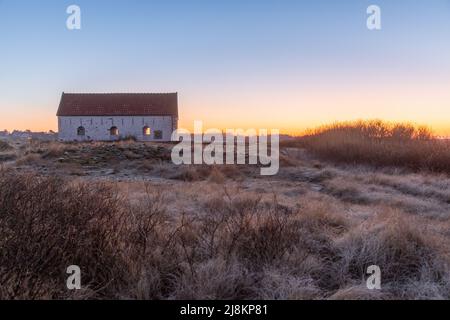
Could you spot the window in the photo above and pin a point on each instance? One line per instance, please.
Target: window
(114, 131)
(158, 134)
(146, 131)
(81, 131)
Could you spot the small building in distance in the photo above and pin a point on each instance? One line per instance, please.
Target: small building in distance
(112, 116)
(30, 135)
(17, 134)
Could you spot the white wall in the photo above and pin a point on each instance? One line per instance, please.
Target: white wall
(98, 128)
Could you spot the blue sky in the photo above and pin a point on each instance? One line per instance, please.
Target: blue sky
(279, 64)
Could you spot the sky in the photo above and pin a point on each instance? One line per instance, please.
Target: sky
(285, 64)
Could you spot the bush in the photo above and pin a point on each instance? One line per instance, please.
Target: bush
(47, 225)
(4, 146)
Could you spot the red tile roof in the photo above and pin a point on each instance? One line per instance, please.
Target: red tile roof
(118, 104)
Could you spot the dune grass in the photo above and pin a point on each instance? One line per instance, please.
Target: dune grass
(381, 144)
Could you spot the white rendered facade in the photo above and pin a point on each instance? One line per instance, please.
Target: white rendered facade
(110, 128)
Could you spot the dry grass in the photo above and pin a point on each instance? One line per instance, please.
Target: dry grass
(29, 159)
(217, 174)
(381, 144)
(235, 246)
(406, 252)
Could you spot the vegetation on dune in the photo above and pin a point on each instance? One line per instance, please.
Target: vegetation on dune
(236, 247)
(379, 143)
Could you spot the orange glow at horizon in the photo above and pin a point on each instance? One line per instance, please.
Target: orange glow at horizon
(291, 110)
(45, 124)
(294, 111)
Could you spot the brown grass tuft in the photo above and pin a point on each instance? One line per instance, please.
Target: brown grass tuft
(405, 252)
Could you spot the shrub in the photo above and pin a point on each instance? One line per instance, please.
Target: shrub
(28, 159)
(4, 146)
(47, 225)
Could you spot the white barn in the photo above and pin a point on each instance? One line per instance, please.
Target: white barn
(112, 116)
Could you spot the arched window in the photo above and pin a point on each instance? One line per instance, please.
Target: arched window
(81, 131)
(146, 131)
(114, 131)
